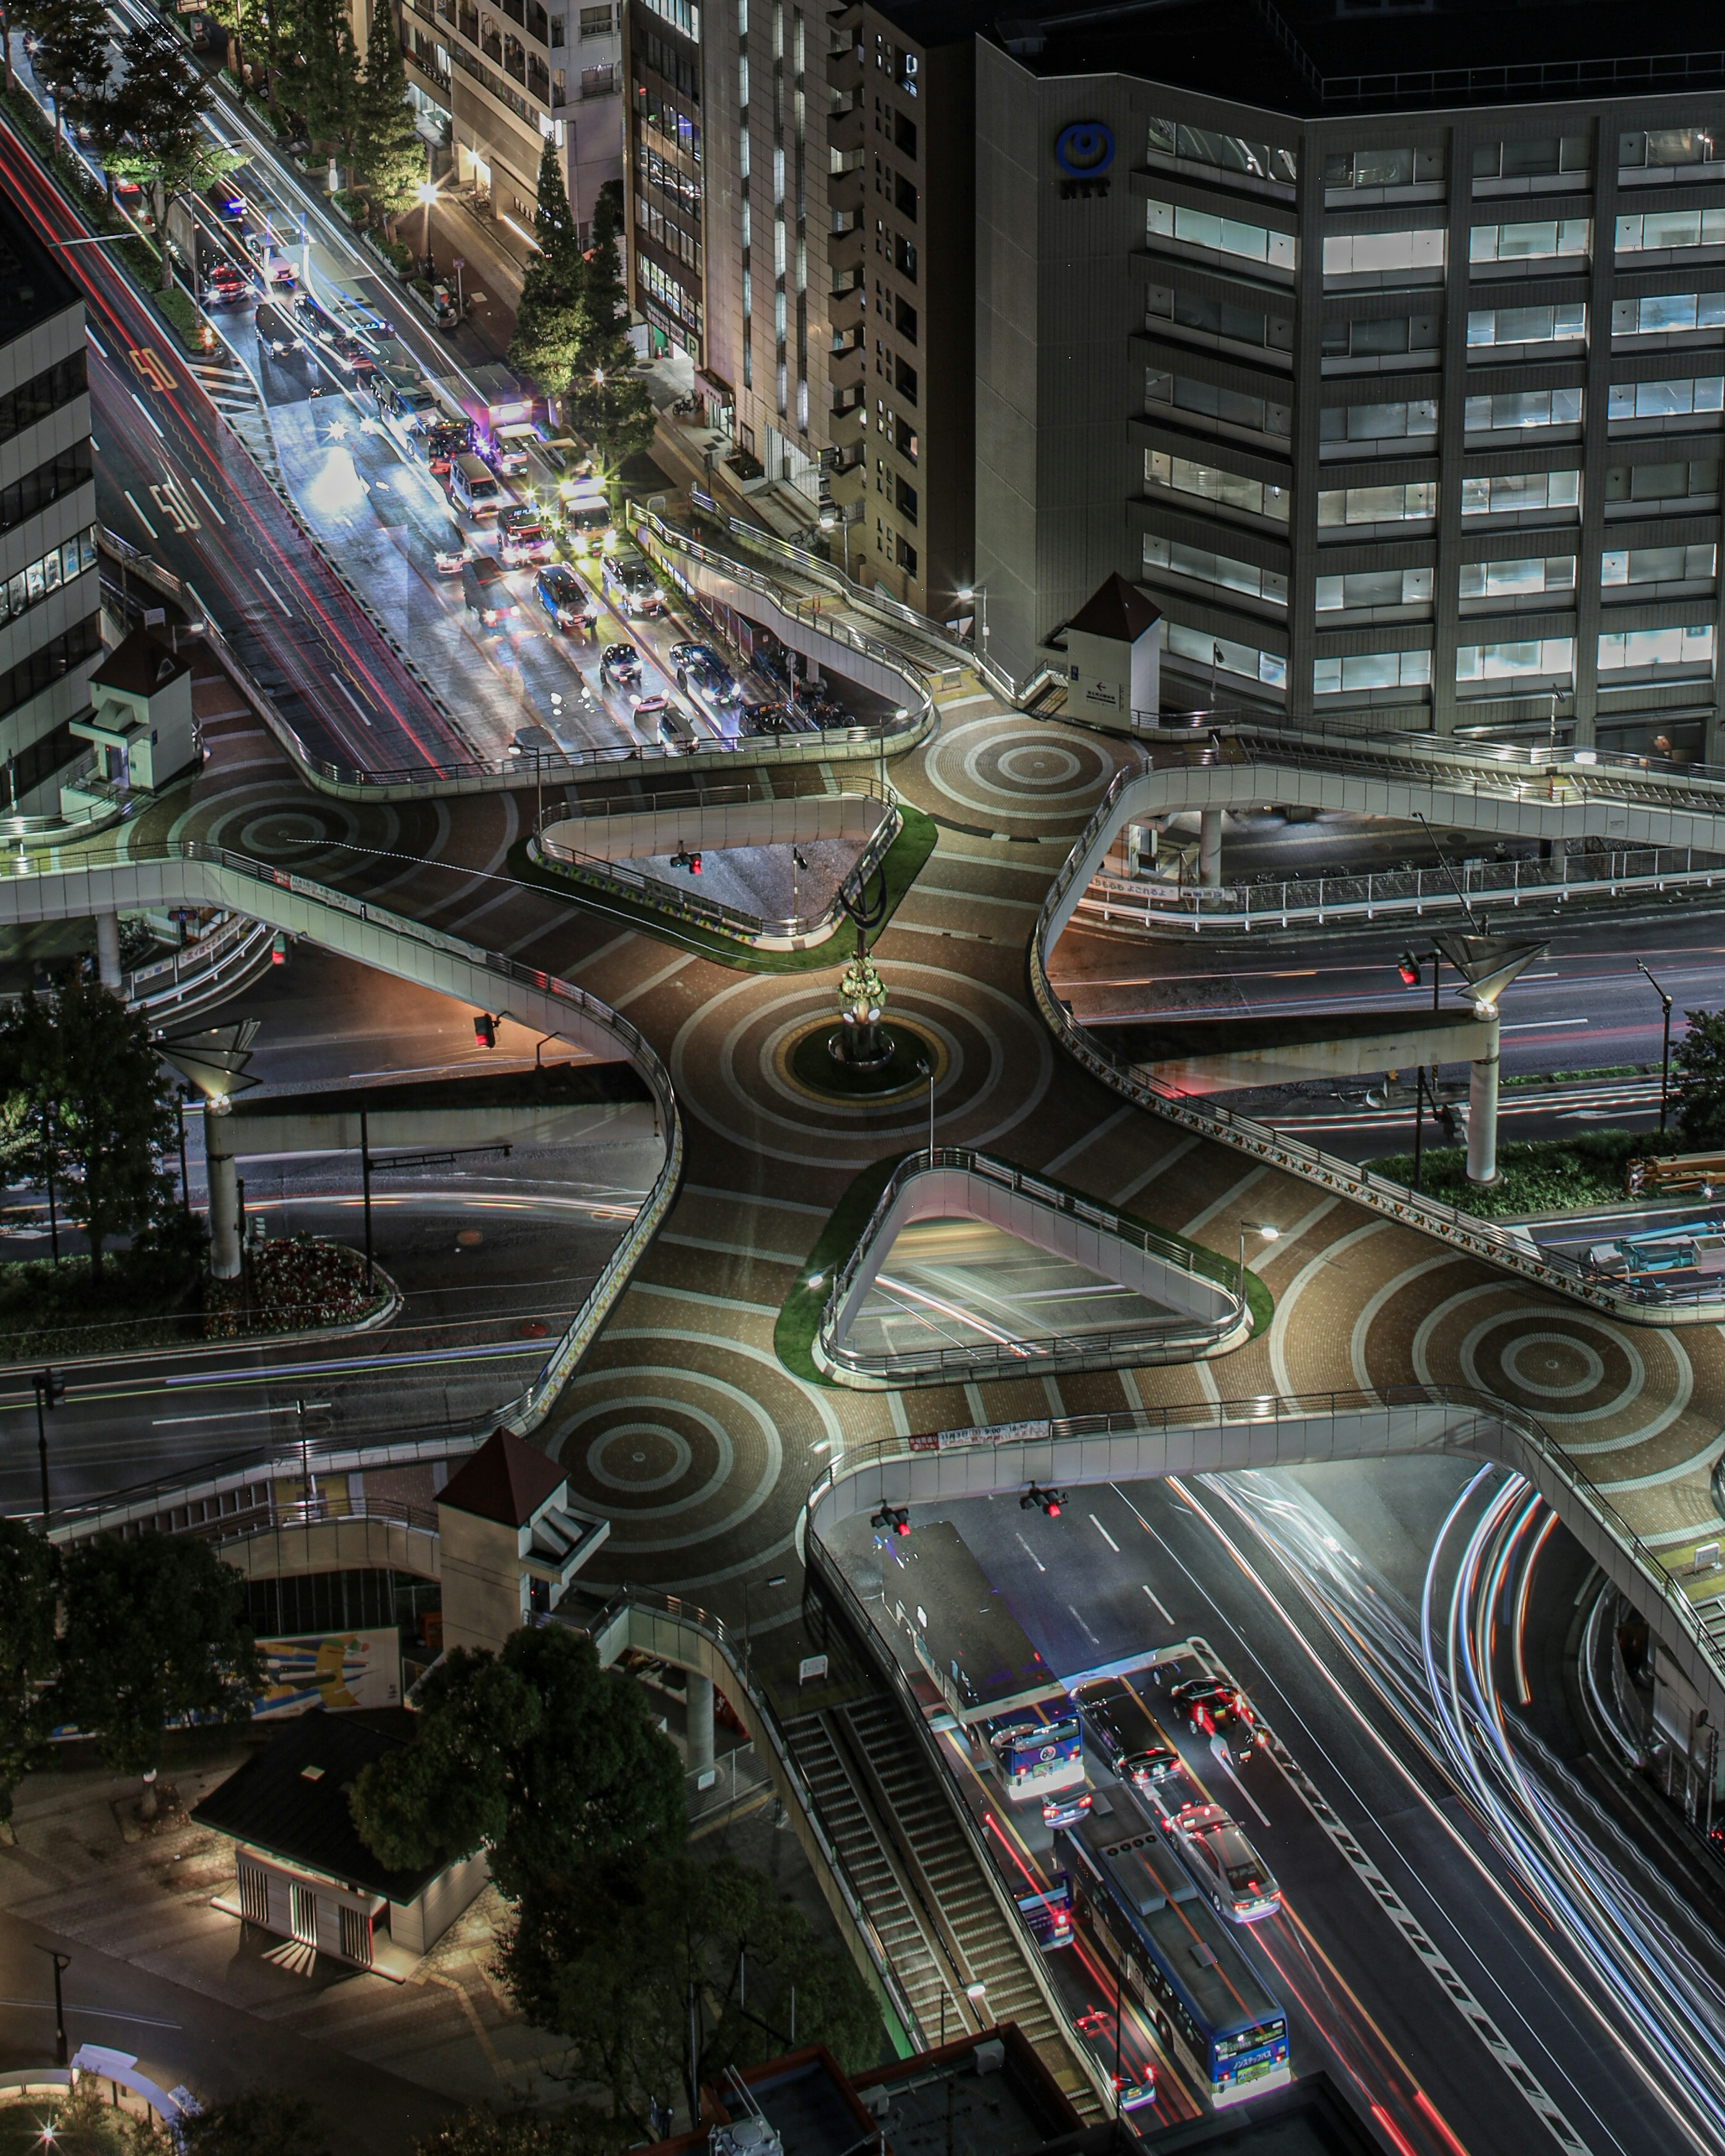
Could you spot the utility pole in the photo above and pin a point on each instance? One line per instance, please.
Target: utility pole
(1664, 1063)
(365, 1179)
(50, 1391)
(61, 1964)
(185, 1180)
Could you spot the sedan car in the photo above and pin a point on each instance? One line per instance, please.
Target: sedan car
(563, 596)
(629, 583)
(1225, 1866)
(486, 593)
(451, 550)
(522, 538)
(224, 292)
(621, 663)
(765, 719)
(699, 666)
(1161, 1775)
(1209, 1704)
(1065, 1807)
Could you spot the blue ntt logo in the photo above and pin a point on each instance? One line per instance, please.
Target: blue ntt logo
(1085, 149)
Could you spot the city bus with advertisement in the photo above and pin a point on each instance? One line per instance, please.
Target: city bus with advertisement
(1036, 1750)
(1180, 1960)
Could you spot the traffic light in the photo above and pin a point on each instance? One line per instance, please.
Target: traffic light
(50, 1389)
(1408, 966)
(1051, 1502)
(485, 1030)
(695, 865)
(277, 949)
(683, 858)
(1446, 1121)
(892, 1519)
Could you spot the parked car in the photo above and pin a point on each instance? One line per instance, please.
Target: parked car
(487, 595)
(522, 538)
(621, 664)
(630, 583)
(451, 550)
(225, 292)
(564, 597)
(765, 719)
(353, 355)
(441, 440)
(699, 666)
(1225, 1866)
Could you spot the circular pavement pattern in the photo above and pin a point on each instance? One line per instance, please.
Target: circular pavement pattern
(1007, 767)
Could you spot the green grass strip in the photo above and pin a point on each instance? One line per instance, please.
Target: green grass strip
(799, 1314)
(1534, 1175)
(903, 864)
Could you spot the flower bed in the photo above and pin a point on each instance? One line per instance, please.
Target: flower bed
(291, 1285)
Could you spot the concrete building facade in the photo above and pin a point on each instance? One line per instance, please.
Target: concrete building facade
(50, 601)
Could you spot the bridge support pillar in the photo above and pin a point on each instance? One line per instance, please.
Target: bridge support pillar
(220, 1175)
(1209, 847)
(1483, 1114)
(699, 1727)
(108, 950)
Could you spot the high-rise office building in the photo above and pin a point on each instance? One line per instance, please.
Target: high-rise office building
(50, 595)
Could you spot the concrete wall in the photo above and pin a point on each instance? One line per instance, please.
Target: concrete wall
(419, 1924)
(484, 1582)
(632, 835)
(336, 1546)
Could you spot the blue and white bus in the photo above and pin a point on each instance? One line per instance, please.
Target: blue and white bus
(1036, 1749)
(1181, 1960)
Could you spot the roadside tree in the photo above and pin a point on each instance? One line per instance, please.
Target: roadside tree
(29, 1656)
(553, 322)
(71, 60)
(155, 1632)
(608, 404)
(150, 128)
(389, 148)
(330, 84)
(1698, 1080)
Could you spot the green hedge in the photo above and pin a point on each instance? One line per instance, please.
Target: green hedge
(1534, 1175)
(181, 311)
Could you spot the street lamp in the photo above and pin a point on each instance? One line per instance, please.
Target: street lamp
(427, 195)
(979, 593)
(1665, 1065)
(62, 1963)
(777, 1580)
(926, 1070)
(51, 1392)
(1271, 1234)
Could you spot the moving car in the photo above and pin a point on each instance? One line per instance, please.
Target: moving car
(588, 519)
(277, 334)
(563, 596)
(487, 595)
(1226, 1867)
(1065, 1808)
(506, 450)
(1163, 1776)
(312, 319)
(765, 719)
(441, 440)
(652, 716)
(700, 667)
(522, 538)
(621, 663)
(534, 741)
(451, 550)
(229, 290)
(630, 585)
(1209, 1704)
(352, 355)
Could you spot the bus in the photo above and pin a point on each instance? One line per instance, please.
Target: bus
(1049, 1914)
(1036, 1749)
(1180, 1960)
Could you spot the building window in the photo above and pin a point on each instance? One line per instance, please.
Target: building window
(1512, 409)
(1667, 148)
(1230, 408)
(1222, 153)
(59, 566)
(1376, 254)
(51, 664)
(1371, 669)
(254, 1892)
(1252, 497)
(1211, 318)
(1536, 572)
(1660, 230)
(1668, 314)
(1391, 338)
(596, 22)
(1220, 235)
(1551, 657)
(906, 554)
(1341, 424)
(905, 500)
(58, 475)
(1657, 566)
(1172, 559)
(1367, 588)
(1542, 241)
(1654, 650)
(1381, 168)
(1378, 505)
(1658, 484)
(1226, 656)
(1668, 400)
(43, 394)
(1527, 326)
(1507, 494)
(1547, 155)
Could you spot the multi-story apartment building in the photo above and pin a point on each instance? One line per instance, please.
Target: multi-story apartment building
(497, 78)
(50, 597)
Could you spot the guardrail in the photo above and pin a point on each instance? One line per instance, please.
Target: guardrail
(1315, 901)
(1461, 1230)
(1176, 1337)
(1054, 1452)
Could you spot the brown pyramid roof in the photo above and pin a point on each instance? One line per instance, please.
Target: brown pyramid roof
(141, 665)
(507, 1480)
(1116, 608)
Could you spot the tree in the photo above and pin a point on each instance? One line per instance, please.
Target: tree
(608, 403)
(538, 1753)
(155, 1632)
(28, 1654)
(612, 1956)
(86, 1099)
(553, 322)
(150, 127)
(388, 148)
(1698, 1079)
(331, 81)
(576, 2131)
(259, 2122)
(71, 57)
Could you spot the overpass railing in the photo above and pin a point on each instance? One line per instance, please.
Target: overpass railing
(1647, 1302)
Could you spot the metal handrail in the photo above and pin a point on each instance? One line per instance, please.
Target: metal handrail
(1451, 1224)
(1107, 1348)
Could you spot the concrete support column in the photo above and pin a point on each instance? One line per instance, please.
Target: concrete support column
(108, 950)
(699, 1727)
(223, 1189)
(1209, 847)
(1483, 1114)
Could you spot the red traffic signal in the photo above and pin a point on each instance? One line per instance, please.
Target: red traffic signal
(892, 1519)
(277, 949)
(1050, 1501)
(1408, 966)
(485, 1030)
(695, 865)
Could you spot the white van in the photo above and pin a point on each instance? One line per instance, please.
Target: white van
(473, 487)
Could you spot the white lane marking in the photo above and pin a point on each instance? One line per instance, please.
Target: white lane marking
(351, 697)
(90, 337)
(1084, 1627)
(271, 589)
(1104, 1534)
(1032, 1555)
(145, 409)
(208, 504)
(1160, 1606)
(140, 516)
(1543, 1024)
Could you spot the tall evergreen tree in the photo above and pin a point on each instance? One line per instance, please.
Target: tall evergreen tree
(150, 127)
(608, 403)
(71, 57)
(331, 88)
(28, 1656)
(551, 322)
(389, 148)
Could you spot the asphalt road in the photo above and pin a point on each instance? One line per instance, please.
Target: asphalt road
(1125, 1571)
